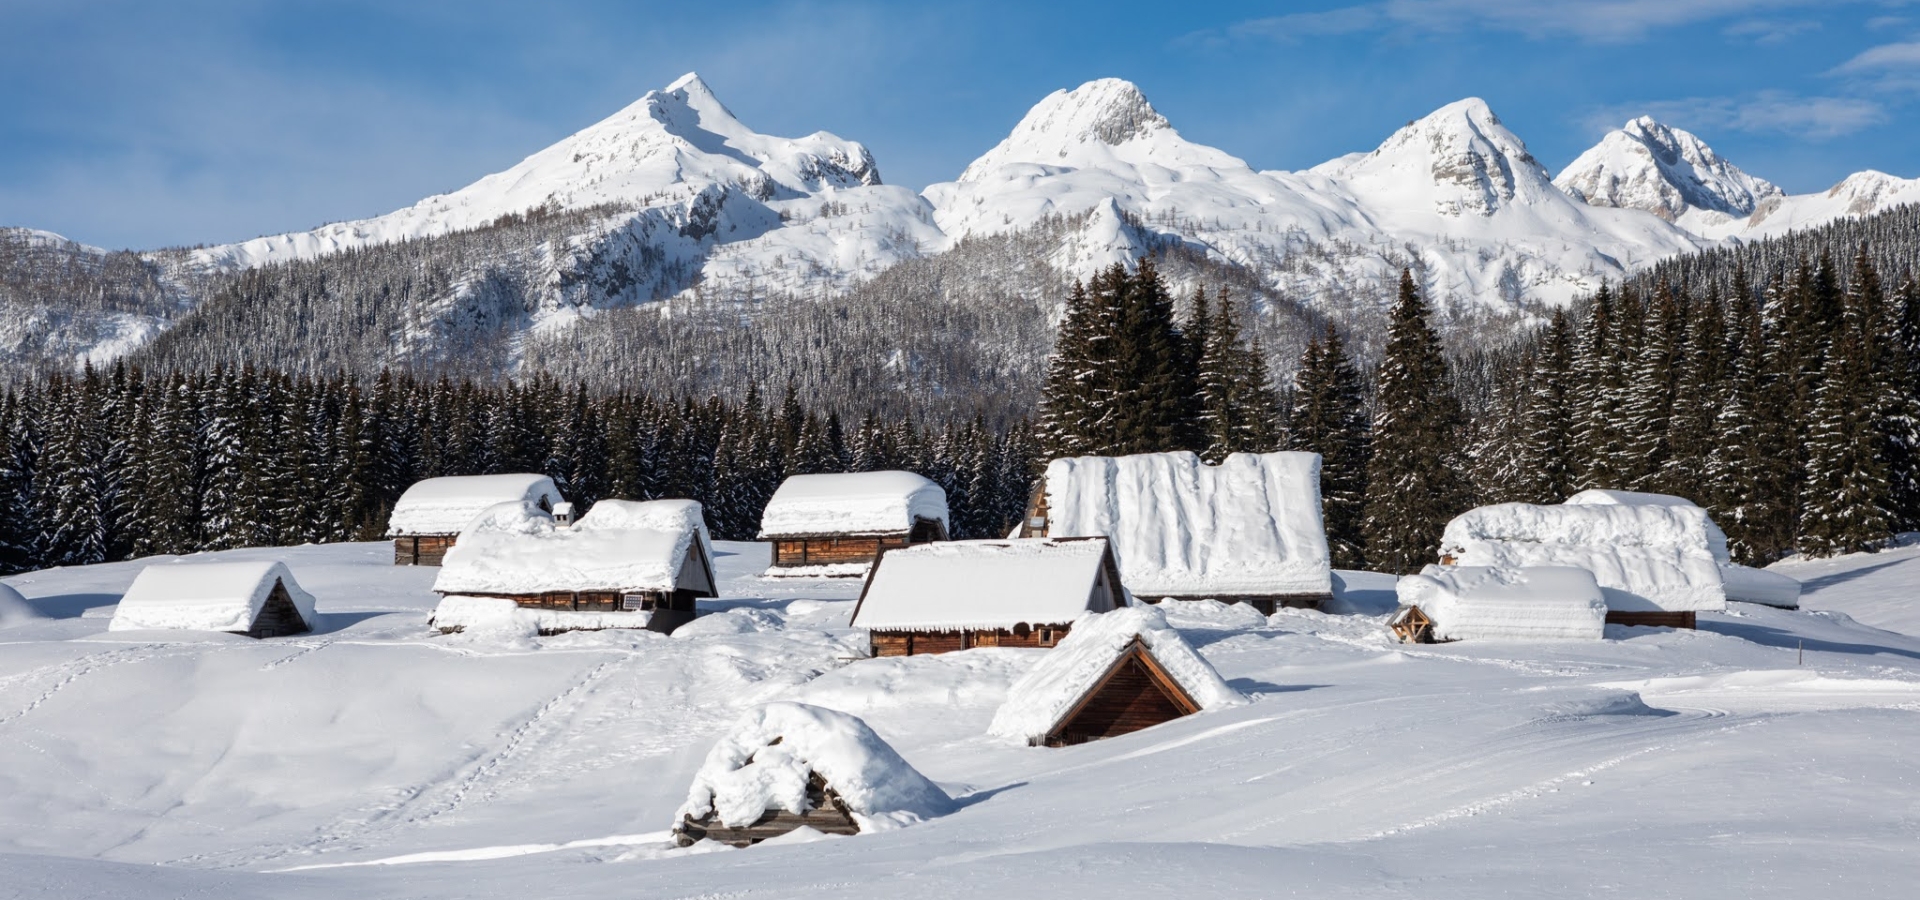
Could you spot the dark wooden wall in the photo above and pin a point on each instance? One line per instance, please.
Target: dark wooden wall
(911, 643)
(421, 550)
(1130, 699)
(278, 616)
(1655, 619)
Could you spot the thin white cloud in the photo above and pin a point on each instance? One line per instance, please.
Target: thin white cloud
(1882, 58)
(1594, 20)
(1764, 112)
(1769, 31)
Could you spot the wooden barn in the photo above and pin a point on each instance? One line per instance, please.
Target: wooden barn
(1248, 530)
(1117, 673)
(257, 599)
(1655, 564)
(787, 765)
(1482, 603)
(837, 525)
(433, 512)
(955, 595)
(625, 564)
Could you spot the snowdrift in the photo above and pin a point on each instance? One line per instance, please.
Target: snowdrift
(1645, 558)
(1044, 697)
(768, 757)
(853, 503)
(447, 505)
(1548, 603)
(14, 609)
(1249, 526)
(223, 596)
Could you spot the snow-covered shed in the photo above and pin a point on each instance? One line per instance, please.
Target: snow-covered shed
(1655, 564)
(786, 765)
(257, 599)
(838, 524)
(433, 512)
(1247, 530)
(1483, 603)
(625, 564)
(1114, 674)
(953, 595)
(1743, 583)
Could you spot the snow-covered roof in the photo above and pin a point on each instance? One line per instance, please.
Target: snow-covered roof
(1749, 585)
(1646, 558)
(658, 515)
(1716, 539)
(203, 596)
(515, 548)
(852, 503)
(1251, 525)
(446, 505)
(14, 609)
(1544, 603)
(1042, 698)
(765, 759)
(955, 585)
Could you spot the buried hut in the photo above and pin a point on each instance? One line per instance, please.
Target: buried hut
(625, 564)
(432, 513)
(1741, 583)
(785, 766)
(955, 595)
(1115, 673)
(837, 525)
(1248, 530)
(257, 599)
(1476, 603)
(1655, 565)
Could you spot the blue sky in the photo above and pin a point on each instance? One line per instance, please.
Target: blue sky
(148, 124)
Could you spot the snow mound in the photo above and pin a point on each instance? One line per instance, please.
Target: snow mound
(955, 585)
(223, 596)
(447, 505)
(1481, 603)
(1716, 539)
(1044, 696)
(765, 760)
(515, 548)
(1645, 558)
(498, 616)
(732, 621)
(14, 608)
(1742, 583)
(858, 503)
(1250, 525)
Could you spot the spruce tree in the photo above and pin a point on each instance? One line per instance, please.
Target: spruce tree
(1845, 500)
(1237, 406)
(1414, 485)
(1329, 417)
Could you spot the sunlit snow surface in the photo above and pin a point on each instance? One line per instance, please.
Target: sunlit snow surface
(377, 759)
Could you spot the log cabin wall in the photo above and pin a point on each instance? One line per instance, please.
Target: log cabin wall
(422, 549)
(278, 616)
(913, 643)
(1133, 695)
(829, 550)
(1654, 619)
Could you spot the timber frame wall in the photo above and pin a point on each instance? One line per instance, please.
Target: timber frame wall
(421, 549)
(278, 616)
(914, 643)
(1653, 619)
(833, 549)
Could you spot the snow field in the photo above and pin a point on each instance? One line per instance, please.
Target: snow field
(469, 767)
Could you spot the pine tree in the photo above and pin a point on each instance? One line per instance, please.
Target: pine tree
(1413, 481)
(1236, 401)
(1845, 500)
(1329, 417)
(1646, 414)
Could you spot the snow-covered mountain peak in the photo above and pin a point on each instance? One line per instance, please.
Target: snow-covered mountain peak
(1459, 158)
(1106, 124)
(1666, 171)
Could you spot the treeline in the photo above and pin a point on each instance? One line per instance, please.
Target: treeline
(116, 465)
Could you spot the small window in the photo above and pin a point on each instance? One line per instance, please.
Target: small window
(636, 602)
(1046, 637)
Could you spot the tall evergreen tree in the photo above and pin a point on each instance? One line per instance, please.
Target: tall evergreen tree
(1329, 417)
(1414, 485)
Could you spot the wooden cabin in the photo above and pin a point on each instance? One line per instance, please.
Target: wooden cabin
(257, 599)
(641, 562)
(1481, 603)
(1117, 673)
(956, 595)
(837, 525)
(846, 777)
(1655, 563)
(1248, 530)
(432, 513)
